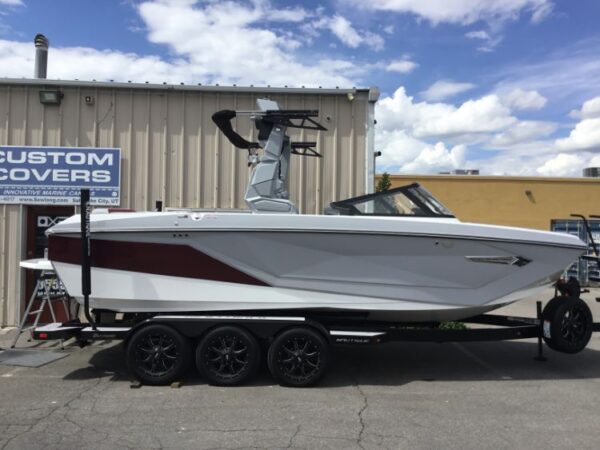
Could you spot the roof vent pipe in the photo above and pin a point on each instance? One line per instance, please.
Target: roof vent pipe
(41, 55)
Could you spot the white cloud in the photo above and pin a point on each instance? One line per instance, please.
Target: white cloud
(443, 89)
(424, 137)
(463, 12)
(432, 137)
(11, 2)
(215, 42)
(344, 31)
(439, 120)
(342, 28)
(373, 40)
(522, 132)
(405, 154)
(562, 165)
(17, 60)
(479, 34)
(287, 15)
(437, 158)
(388, 29)
(567, 75)
(524, 100)
(402, 66)
(589, 110)
(542, 161)
(487, 42)
(496, 13)
(585, 136)
(421, 137)
(542, 11)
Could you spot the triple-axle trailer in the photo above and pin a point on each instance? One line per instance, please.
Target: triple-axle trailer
(228, 348)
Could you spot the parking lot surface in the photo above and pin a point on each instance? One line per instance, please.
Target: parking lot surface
(399, 395)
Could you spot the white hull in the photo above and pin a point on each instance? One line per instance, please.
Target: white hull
(401, 270)
(134, 292)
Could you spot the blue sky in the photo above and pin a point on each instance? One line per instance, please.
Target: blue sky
(505, 86)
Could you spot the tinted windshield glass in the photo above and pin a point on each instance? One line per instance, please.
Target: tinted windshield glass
(429, 200)
(412, 200)
(396, 203)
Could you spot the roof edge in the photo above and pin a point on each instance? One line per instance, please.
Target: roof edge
(181, 87)
(506, 178)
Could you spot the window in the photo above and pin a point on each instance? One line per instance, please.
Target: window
(388, 204)
(412, 200)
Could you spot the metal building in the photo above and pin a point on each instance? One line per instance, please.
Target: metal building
(171, 151)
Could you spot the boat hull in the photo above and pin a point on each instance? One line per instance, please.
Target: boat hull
(387, 274)
(135, 292)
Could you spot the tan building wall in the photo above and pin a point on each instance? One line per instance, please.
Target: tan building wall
(529, 202)
(171, 150)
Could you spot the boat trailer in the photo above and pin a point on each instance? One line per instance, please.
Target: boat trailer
(228, 347)
(286, 335)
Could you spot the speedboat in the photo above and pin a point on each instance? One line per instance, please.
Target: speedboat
(397, 255)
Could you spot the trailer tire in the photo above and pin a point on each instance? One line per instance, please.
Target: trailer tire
(298, 357)
(567, 324)
(157, 354)
(228, 356)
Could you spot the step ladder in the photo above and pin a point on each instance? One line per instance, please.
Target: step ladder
(45, 281)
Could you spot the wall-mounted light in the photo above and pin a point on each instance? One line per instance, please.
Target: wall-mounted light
(530, 196)
(50, 96)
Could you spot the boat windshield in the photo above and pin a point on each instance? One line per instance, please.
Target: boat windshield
(411, 200)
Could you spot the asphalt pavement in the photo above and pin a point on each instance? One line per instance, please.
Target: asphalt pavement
(401, 395)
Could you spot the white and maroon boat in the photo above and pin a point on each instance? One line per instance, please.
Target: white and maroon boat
(398, 255)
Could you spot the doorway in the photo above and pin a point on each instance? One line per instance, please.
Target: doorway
(39, 219)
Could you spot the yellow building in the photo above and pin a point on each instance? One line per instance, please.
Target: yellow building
(529, 202)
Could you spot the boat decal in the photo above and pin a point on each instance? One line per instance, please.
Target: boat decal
(176, 260)
(507, 260)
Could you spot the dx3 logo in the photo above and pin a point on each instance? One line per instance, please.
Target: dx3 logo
(48, 221)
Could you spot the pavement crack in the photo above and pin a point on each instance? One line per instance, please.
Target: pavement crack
(52, 410)
(361, 411)
(6, 444)
(291, 442)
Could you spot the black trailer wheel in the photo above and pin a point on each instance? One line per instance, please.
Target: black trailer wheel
(157, 354)
(567, 324)
(298, 357)
(228, 356)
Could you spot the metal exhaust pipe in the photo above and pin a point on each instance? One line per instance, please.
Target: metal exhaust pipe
(41, 55)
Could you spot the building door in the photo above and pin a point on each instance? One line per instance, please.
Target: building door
(39, 219)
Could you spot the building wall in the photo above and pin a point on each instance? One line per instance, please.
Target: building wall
(171, 150)
(11, 251)
(530, 202)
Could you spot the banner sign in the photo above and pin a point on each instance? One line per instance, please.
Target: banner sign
(55, 175)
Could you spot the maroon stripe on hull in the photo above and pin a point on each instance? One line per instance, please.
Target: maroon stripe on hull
(160, 259)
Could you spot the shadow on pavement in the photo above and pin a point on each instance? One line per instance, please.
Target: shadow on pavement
(401, 363)
(105, 362)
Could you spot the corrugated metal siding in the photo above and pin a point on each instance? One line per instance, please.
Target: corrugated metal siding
(171, 150)
(10, 255)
